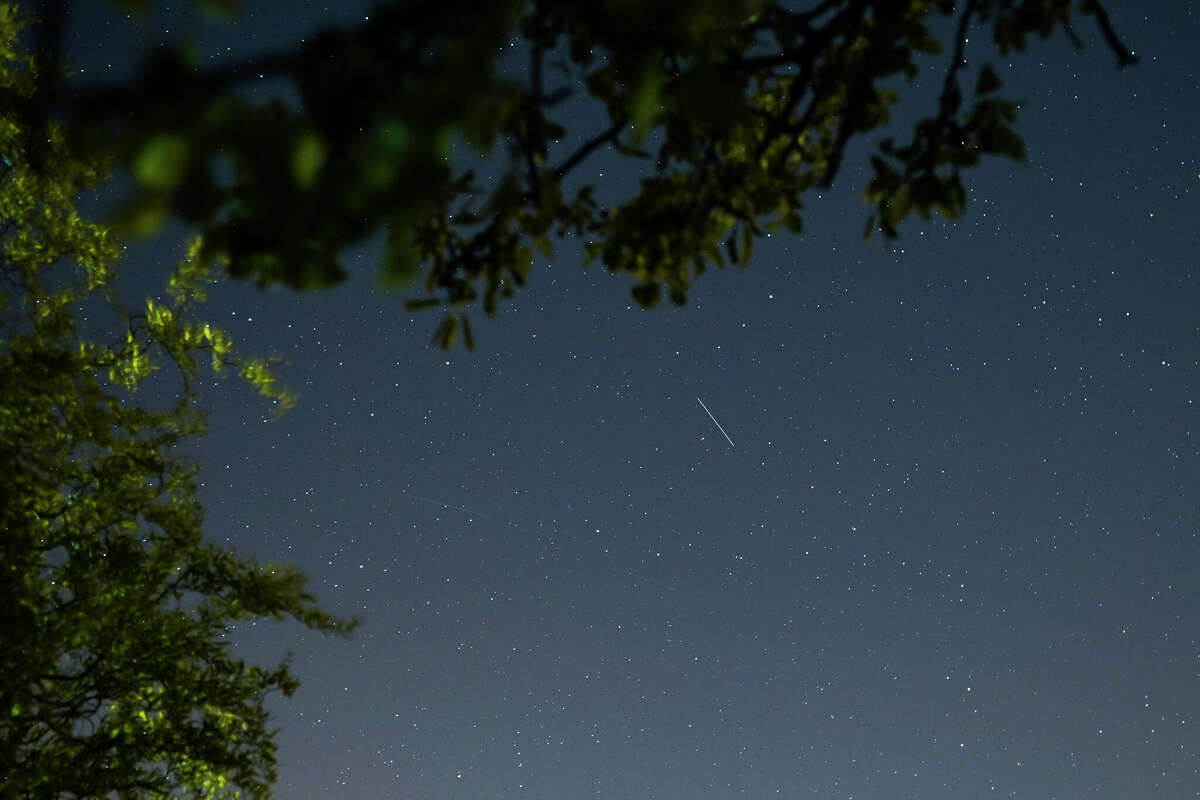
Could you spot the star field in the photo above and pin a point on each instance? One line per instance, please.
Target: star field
(953, 554)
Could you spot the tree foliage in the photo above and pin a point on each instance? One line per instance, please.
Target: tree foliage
(738, 107)
(116, 675)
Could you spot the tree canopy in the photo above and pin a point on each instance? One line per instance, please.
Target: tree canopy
(116, 671)
(738, 108)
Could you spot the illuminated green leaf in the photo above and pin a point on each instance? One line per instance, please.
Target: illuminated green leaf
(644, 104)
(118, 600)
(401, 261)
(308, 156)
(143, 215)
(162, 162)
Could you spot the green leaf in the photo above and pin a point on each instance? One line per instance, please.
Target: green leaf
(468, 337)
(869, 229)
(221, 9)
(390, 148)
(506, 195)
(447, 332)
(308, 156)
(988, 82)
(644, 104)
(711, 97)
(393, 135)
(647, 294)
(523, 264)
(899, 205)
(143, 215)
(137, 8)
(996, 137)
(401, 262)
(162, 162)
(1009, 142)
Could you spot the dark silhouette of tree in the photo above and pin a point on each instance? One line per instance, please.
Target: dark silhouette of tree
(116, 675)
(738, 108)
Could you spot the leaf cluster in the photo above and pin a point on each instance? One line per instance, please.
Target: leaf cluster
(749, 103)
(116, 671)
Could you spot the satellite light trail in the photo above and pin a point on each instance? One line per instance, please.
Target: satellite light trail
(714, 419)
(446, 505)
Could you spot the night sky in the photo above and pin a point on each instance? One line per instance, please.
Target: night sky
(952, 551)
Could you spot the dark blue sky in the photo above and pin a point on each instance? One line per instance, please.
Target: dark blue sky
(953, 552)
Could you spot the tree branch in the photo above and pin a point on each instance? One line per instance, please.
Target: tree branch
(951, 96)
(585, 150)
(1125, 56)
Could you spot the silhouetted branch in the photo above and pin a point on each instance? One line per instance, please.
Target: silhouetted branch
(1125, 56)
(609, 135)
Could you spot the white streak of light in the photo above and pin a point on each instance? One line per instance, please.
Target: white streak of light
(714, 419)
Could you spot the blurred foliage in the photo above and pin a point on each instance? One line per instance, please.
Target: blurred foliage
(748, 103)
(116, 673)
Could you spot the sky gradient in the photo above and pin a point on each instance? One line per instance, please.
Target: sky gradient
(952, 553)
